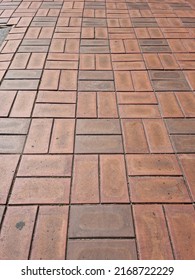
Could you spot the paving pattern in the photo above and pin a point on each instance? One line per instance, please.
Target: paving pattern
(97, 129)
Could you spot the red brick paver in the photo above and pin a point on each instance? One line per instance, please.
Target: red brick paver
(97, 130)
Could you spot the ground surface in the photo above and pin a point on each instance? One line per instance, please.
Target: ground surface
(97, 129)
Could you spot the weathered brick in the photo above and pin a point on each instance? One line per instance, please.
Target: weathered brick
(85, 188)
(38, 142)
(107, 107)
(86, 107)
(62, 139)
(158, 190)
(90, 144)
(95, 85)
(188, 163)
(98, 126)
(181, 126)
(17, 229)
(8, 165)
(56, 97)
(113, 182)
(104, 249)
(12, 144)
(141, 81)
(153, 165)
(40, 191)
(158, 139)
(23, 104)
(187, 103)
(45, 165)
(103, 62)
(50, 236)
(136, 98)
(87, 62)
(108, 221)
(50, 79)
(68, 80)
(36, 61)
(54, 110)
(123, 81)
(183, 238)
(183, 143)
(191, 78)
(151, 231)
(134, 137)
(169, 105)
(19, 84)
(139, 111)
(14, 126)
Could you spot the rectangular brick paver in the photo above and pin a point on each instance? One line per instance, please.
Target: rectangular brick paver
(40, 191)
(85, 186)
(97, 129)
(17, 229)
(49, 241)
(101, 249)
(153, 238)
(182, 237)
(45, 165)
(101, 221)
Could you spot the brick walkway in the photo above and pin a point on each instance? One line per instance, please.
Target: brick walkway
(97, 129)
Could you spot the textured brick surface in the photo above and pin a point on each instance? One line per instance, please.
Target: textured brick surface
(182, 237)
(153, 238)
(85, 187)
(113, 179)
(8, 165)
(91, 144)
(101, 250)
(97, 129)
(45, 165)
(153, 165)
(17, 229)
(49, 242)
(188, 163)
(158, 189)
(40, 191)
(101, 221)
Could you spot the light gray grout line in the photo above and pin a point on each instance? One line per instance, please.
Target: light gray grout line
(124, 153)
(73, 156)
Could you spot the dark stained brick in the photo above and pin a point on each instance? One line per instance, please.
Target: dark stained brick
(98, 144)
(101, 221)
(183, 143)
(98, 126)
